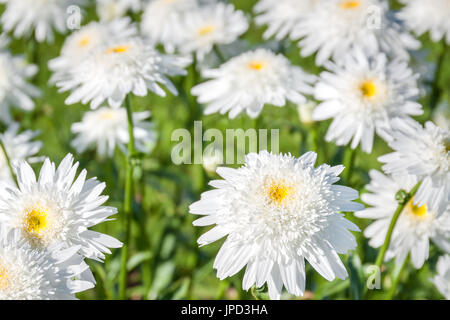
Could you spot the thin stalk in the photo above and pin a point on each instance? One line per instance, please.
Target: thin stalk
(219, 54)
(8, 161)
(436, 90)
(127, 207)
(349, 163)
(391, 293)
(387, 239)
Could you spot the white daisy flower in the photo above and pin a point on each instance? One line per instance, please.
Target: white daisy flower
(122, 67)
(210, 25)
(442, 279)
(15, 91)
(19, 147)
(163, 21)
(416, 225)
(108, 10)
(425, 154)
(106, 127)
(276, 211)
(422, 17)
(25, 17)
(281, 16)
(250, 80)
(30, 274)
(82, 42)
(335, 26)
(56, 209)
(362, 94)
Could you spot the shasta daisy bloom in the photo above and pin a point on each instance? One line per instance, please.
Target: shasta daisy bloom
(335, 26)
(250, 80)
(15, 91)
(362, 94)
(442, 279)
(416, 224)
(109, 10)
(105, 128)
(281, 16)
(422, 18)
(277, 211)
(163, 21)
(423, 152)
(56, 209)
(19, 147)
(82, 42)
(30, 274)
(123, 66)
(210, 25)
(25, 17)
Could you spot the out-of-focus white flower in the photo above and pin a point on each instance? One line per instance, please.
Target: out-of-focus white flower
(80, 44)
(19, 147)
(281, 16)
(29, 274)
(108, 10)
(441, 116)
(362, 94)
(250, 80)
(276, 211)
(15, 91)
(163, 21)
(122, 67)
(423, 17)
(416, 224)
(305, 111)
(25, 17)
(442, 279)
(211, 25)
(56, 209)
(335, 26)
(423, 152)
(105, 128)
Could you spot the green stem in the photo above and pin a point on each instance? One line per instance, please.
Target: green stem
(8, 161)
(349, 162)
(436, 90)
(252, 291)
(127, 207)
(391, 293)
(219, 54)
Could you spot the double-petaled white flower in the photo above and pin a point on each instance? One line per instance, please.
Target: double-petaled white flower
(15, 91)
(416, 225)
(423, 17)
(19, 147)
(25, 17)
(123, 66)
(251, 80)
(105, 128)
(55, 209)
(362, 94)
(423, 152)
(30, 274)
(80, 44)
(210, 25)
(281, 16)
(442, 279)
(335, 26)
(163, 21)
(276, 211)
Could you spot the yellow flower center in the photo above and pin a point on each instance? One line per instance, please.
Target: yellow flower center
(416, 211)
(347, 4)
(119, 49)
(84, 41)
(278, 192)
(257, 65)
(4, 279)
(107, 115)
(35, 222)
(368, 89)
(206, 30)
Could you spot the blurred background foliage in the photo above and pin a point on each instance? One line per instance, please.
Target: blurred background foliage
(165, 261)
